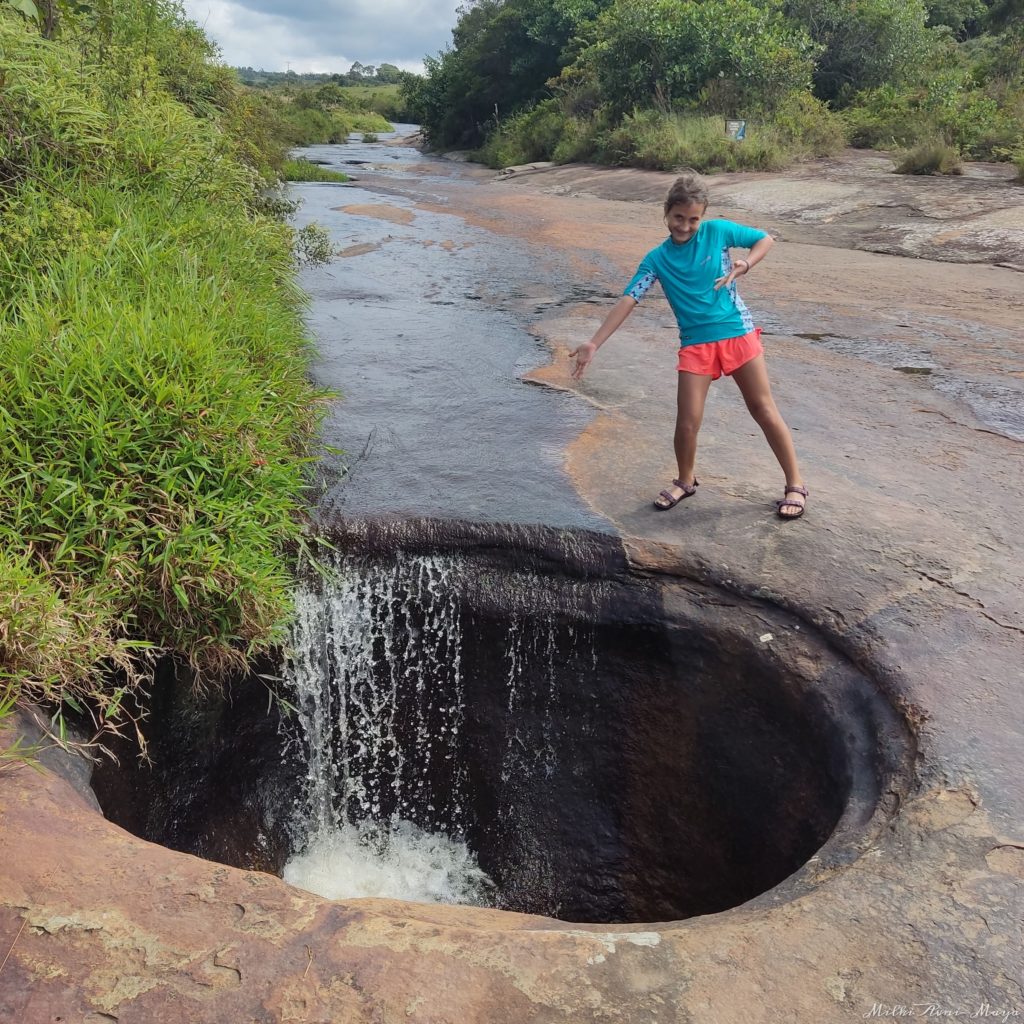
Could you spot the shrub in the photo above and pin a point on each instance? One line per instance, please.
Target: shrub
(808, 126)
(935, 157)
(525, 137)
(301, 169)
(579, 139)
(660, 141)
(663, 52)
(884, 118)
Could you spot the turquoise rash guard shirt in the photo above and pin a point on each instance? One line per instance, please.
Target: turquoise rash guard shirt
(687, 273)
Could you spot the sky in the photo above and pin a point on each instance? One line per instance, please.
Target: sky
(325, 35)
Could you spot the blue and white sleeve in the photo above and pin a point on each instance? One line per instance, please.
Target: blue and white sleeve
(641, 283)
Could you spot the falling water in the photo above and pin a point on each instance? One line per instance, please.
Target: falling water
(376, 673)
(377, 677)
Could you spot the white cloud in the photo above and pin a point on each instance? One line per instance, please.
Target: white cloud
(325, 35)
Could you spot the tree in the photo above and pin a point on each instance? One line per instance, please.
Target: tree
(502, 56)
(865, 43)
(666, 52)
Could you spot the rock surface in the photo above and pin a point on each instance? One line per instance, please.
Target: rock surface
(908, 560)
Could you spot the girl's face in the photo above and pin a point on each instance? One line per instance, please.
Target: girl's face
(683, 221)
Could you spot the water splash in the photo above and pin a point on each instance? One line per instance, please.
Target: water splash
(403, 862)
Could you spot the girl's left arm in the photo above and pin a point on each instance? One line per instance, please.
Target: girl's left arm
(758, 251)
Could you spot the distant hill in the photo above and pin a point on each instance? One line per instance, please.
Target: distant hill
(358, 74)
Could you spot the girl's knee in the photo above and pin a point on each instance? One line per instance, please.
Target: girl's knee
(687, 427)
(765, 413)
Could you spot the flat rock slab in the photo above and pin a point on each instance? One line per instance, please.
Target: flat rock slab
(908, 560)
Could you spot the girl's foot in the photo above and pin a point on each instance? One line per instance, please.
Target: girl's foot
(792, 505)
(671, 496)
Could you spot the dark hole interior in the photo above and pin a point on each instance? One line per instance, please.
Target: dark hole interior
(616, 754)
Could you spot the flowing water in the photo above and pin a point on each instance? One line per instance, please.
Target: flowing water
(434, 419)
(415, 334)
(377, 676)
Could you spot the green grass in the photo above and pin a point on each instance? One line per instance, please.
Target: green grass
(369, 94)
(653, 139)
(306, 170)
(155, 394)
(934, 157)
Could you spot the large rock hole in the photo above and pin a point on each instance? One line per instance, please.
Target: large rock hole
(608, 746)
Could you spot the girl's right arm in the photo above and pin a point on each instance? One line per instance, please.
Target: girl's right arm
(612, 322)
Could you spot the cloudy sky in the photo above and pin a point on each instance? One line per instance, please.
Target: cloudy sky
(325, 35)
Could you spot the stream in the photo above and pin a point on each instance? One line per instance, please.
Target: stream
(434, 417)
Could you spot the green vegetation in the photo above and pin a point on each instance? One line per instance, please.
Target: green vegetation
(306, 170)
(360, 101)
(645, 82)
(385, 100)
(930, 158)
(155, 406)
(324, 114)
(358, 75)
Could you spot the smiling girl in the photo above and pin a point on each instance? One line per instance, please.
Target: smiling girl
(716, 332)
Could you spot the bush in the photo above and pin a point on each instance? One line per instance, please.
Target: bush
(808, 126)
(663, 52)
(651, 139)
(306, 170)
(884, 118)
(525, 137)
(935, 157)
(950, 106)
(579, 139)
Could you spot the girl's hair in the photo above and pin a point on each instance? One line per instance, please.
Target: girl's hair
(689, 188)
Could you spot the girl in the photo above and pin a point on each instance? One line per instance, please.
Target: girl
(716, 332)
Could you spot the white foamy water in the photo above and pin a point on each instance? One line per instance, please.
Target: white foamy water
(401, 862)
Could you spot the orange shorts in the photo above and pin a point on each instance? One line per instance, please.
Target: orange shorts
(714, 358)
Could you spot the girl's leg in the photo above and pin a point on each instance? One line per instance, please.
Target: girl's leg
(691, 395)
(752, 379)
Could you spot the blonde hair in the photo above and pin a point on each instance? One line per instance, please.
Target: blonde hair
(686, 189)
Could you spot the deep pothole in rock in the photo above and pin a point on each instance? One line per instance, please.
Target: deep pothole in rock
(514, 719)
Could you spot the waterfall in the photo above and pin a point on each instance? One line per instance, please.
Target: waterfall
(383, 648)
(375, 671)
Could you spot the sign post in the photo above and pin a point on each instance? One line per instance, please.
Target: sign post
(736, 129)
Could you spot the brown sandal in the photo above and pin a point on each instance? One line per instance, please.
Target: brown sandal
(670, 500)
(787, 500)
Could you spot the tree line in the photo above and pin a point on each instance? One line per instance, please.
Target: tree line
(634, 81)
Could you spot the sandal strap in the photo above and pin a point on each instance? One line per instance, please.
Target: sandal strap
(687, 489)
(794, 489)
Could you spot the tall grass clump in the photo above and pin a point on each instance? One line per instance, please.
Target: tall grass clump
(934, 157)
(156, 412)
(652, 139)
(306, 170)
